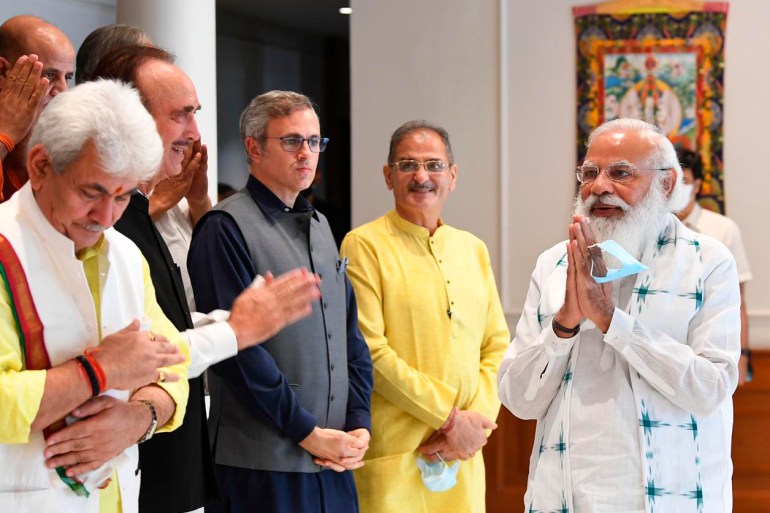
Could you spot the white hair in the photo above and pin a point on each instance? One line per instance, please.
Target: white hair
(662, 157)
(108, 113)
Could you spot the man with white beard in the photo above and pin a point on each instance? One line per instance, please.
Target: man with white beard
(630, 380)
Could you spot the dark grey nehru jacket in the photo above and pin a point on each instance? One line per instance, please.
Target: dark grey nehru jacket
(311, 354)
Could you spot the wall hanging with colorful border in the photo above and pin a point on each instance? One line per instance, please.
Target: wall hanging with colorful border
(661, 61)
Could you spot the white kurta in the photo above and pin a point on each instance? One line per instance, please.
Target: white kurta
(640, 418)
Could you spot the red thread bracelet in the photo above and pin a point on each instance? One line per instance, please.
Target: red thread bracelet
(7, 142)
(98, 370)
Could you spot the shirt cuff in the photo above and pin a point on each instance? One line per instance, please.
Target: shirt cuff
(201, 319)
(301, 427)
(621, 328)
(557, 346)
(358, 420)
(210, 344)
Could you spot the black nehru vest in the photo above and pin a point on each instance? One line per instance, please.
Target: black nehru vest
(177, 468)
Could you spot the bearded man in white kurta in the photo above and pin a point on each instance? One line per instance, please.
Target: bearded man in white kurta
(630, 380)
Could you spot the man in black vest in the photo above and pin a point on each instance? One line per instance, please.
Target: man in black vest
(289, 418)
(177, 469)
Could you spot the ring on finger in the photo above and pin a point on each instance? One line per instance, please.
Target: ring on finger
(151, 336)
(161, 377)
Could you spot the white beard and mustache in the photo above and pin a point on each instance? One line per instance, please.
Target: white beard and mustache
(634, 230)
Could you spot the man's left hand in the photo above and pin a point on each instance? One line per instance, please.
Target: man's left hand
(436, 442)
(107, 428)
(330, 447)
(198, 193)
(169, 191)
(349, 462)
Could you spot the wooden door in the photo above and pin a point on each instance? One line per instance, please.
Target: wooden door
(507, 463)
(751, 440)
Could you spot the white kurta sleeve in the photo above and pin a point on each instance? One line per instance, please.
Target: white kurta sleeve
(211, 341)
(699, 375)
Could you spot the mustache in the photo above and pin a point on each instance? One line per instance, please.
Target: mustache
(607, 199)
(427, 186)
(185, 144)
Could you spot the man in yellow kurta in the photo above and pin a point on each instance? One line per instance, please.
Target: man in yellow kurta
(429, 310)
(73, 298)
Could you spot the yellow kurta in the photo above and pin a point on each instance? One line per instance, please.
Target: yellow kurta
(429, 310)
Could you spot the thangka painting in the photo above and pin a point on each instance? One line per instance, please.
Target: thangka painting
(662, 62)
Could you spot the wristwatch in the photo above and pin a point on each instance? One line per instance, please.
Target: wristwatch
(153, 424)
(745, 351)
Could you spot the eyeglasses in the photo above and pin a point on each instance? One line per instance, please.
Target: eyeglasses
(620, 173)
(293, 143)
(412, 166)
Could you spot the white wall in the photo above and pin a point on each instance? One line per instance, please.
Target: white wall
(747, 109)
(447, 61)
(434, 60)
(169, 24)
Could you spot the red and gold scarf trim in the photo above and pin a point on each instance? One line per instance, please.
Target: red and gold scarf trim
(30, 331)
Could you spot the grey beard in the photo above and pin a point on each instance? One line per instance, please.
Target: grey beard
(637, 228)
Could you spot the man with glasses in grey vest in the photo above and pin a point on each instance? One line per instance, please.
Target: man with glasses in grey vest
(290, 418)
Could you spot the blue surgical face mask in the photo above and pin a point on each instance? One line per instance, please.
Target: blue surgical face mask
(438, 476)
(628, 264)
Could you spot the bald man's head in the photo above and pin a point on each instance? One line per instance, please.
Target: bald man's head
(25, 35)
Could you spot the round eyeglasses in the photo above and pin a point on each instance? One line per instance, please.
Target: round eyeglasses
(292, 143)
(412, 166)
(618, 173)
